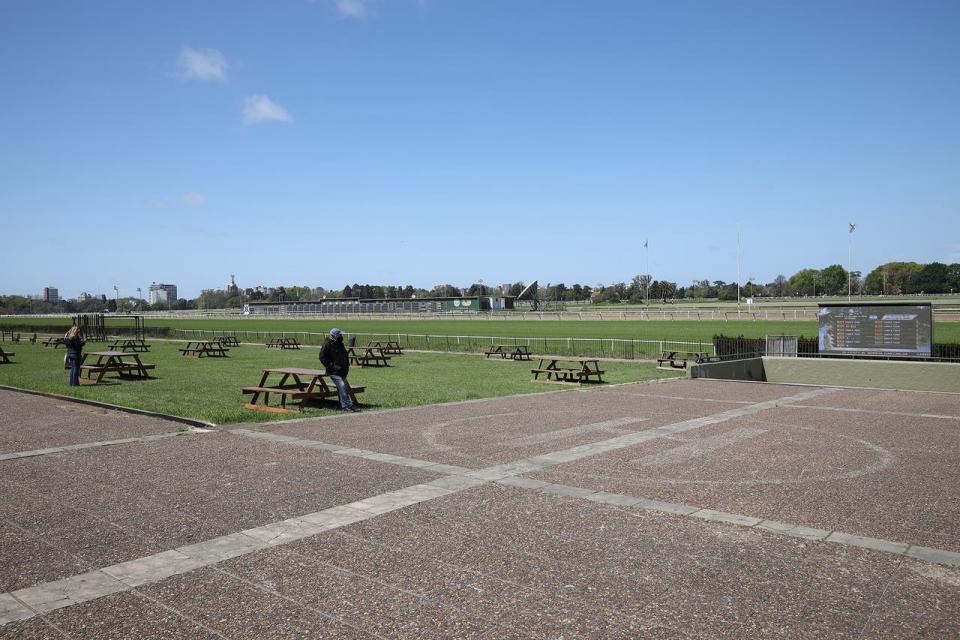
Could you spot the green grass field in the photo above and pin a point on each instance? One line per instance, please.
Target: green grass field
(209, 388)
(691, 330)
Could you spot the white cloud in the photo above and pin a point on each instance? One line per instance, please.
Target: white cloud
(202, 64)
(195, 198)
(263, 109)
(354, 8)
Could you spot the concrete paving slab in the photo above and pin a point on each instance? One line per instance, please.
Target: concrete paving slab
(237, 609)
(30, 422)
(124, 616)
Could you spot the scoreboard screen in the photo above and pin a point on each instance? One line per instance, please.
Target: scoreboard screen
(877, 330)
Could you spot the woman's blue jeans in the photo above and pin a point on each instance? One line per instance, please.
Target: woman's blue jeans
(341, 384)
(73, 359)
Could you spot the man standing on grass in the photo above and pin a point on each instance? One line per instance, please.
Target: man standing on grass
(334, 357)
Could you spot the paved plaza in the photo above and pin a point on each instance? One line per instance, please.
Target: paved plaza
(679, 509)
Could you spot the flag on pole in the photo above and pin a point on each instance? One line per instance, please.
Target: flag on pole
(852, 227)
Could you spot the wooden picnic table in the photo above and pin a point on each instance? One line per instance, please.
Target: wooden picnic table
(123, 363)
(307, 385)
(678, 359)
(228, 341)
(368, 356)
(130, 344)
(550, 367)
(391, 347)
(283, 343)
(5, 356)
(509, 352)
(200, 348)
(53, 341)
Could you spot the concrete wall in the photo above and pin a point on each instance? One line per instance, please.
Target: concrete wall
(882, 374)
(747, 369)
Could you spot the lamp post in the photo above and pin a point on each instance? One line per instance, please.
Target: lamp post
(646, 288)
(738, 271)
(116, 298)
(850, 261)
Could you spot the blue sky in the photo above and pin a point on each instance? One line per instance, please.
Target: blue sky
(403, 142)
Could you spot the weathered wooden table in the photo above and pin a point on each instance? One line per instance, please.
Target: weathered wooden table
(130, 344)
(585, 372)
(391, 347)
(508, 352)
(125, 364)
(200, 348)
(304, 385)
(283, 343)
(368, 356)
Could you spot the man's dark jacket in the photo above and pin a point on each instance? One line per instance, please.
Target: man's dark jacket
(334, 357)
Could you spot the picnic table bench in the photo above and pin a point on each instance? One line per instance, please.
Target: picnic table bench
(308, 385)
(124, 364)
(679, 359)
(200, 348)
(283, 343)
(53, 341)
(129, 344)
(550, 367)
(5, 356)
(368, 356)
(228, 341)
(507, 352)
(390, 347)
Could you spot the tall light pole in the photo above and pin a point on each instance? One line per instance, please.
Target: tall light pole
(646, 292)
(738, 270)
(850, 261)
(116, 298)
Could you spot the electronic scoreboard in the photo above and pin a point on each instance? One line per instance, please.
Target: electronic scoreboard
(895, 329)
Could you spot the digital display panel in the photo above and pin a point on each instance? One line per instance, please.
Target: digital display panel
(877, 330)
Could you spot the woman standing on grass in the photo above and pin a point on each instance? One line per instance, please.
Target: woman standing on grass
(74, 342)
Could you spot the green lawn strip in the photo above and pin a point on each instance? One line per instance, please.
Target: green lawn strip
(209, 388)
(681, 330)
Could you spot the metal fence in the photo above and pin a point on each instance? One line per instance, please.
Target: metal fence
(616, 348)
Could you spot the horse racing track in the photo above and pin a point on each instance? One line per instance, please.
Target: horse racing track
(677, 509)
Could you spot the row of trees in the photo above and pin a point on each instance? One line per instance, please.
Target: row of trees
(892, 278)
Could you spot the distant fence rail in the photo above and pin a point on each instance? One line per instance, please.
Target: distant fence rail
(618, 348)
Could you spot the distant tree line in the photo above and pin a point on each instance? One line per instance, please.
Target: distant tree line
(892, 278)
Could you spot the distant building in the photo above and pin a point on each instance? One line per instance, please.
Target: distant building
(84, 296)
(232, 288)
(50, 294)
(161, 293)
(467, 304)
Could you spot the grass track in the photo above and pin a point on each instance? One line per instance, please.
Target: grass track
(628, 329)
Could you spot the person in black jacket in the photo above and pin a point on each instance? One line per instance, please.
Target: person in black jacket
(334, 357)
(73, 341)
